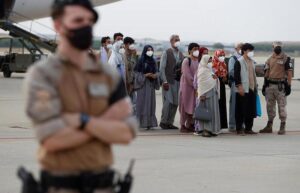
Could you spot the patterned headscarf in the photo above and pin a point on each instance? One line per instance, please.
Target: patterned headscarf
(220, 68)
(201, 50)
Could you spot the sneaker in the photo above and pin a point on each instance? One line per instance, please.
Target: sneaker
(164, 126)
(173, 127)
(198, 133)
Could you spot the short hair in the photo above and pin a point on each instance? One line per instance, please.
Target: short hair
(277, 43)
(128, 40)
(118, 34)
(192, 46)
(57, 13)
(104, 39)
(173, 37)
(238, 44)
(58, 8)
(246, 47)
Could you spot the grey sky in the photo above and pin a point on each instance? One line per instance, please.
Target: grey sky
(205, 20)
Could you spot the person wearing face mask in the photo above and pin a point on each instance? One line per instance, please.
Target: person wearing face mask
(208, 96)
(246, 91)
(203, 51)
(118, 37)
(170, 82)
(278, 79)
(233, 59)
(78, 107)
(220, 69)
(131, 60)
(187, 93)
(146, 82)
(105, 50)
(117, 58)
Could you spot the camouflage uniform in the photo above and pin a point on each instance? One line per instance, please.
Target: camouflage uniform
(273, 95)
(277, 68)
(56, 87)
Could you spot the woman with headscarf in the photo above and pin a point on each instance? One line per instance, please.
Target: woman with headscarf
(117, 58)
(220, 70)
(146, 82)
(203, 51)
(187, 93)
(208, 93)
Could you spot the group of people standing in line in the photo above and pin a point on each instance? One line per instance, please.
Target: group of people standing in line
(199, 80)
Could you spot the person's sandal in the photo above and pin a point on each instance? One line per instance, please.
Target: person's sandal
(213, 134)
(206, 134)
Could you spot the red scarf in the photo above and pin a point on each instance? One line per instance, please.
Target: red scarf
(219, 68)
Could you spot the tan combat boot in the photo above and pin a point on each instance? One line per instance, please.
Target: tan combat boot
(268, 128)
(282, 129)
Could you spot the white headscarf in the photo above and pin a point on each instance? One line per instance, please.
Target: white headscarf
(116, 58)
(206, 82)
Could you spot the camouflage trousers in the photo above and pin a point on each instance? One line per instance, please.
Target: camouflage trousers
(273, 95)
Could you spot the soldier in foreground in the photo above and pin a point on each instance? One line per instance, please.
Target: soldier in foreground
(277, 87)
(79, 108)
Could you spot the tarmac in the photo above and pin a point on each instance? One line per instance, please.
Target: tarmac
(167, 161)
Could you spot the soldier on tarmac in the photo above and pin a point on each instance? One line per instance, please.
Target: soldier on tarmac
(277, 87)
(79, 108)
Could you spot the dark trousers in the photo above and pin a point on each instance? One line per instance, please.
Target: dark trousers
(222, 105)
(245, 109)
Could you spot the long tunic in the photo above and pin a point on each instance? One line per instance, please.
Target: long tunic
(212, 103)
(146, 100)
(187, 93)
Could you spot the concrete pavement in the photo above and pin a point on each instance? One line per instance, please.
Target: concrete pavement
(167, 161)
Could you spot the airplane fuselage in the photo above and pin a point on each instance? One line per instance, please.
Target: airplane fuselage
(23, 10)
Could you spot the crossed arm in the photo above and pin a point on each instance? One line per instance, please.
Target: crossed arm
(109, 128)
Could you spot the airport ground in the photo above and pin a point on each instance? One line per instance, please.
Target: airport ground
(170, 162)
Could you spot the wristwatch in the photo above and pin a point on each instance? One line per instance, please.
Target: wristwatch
(84, 119)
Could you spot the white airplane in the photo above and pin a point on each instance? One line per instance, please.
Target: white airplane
(23, 10)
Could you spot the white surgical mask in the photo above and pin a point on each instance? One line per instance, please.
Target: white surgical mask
(122, 51)
(240, 52)
(132, 47)
(177, 44)
(120, 42)
(196, 53)
(149, 53)
(250, 54)
(109, 46)
(222, 59)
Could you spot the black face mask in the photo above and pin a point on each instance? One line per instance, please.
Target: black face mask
(277, 50)
(81, 38)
